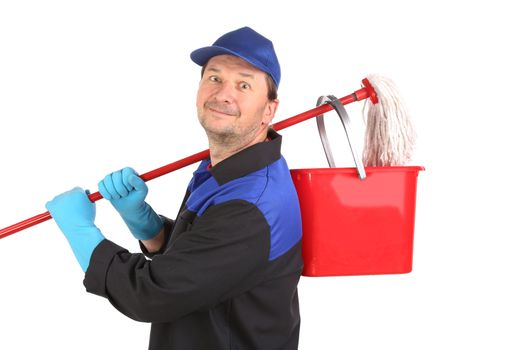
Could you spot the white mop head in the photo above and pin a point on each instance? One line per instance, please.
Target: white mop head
(389, 136)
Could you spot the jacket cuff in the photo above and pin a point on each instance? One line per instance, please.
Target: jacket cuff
(168, 227)
(95, 278)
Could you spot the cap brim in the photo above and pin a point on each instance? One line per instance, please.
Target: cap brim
(201, 56)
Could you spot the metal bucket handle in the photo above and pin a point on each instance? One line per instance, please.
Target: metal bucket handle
(343, 116)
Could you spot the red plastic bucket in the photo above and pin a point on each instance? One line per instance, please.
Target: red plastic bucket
(357, 227)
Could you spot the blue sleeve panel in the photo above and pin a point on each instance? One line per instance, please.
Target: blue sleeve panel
(270, 189)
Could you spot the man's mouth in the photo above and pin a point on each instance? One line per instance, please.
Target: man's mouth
(222, 109)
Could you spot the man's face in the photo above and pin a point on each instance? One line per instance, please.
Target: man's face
(232, 103)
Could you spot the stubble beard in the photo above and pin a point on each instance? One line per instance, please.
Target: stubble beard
(228, 136)
(225, 135)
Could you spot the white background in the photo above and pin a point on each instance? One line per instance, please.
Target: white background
(89, 87)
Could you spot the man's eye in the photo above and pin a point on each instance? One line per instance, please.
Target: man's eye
(244, 86)
(214, 78)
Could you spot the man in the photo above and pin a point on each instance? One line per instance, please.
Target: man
(224, 274)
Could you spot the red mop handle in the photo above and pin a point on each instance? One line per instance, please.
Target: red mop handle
(366, 92)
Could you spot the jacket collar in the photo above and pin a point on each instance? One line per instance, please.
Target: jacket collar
(249, 159)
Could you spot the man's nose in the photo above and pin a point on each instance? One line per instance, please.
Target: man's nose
(225, 92)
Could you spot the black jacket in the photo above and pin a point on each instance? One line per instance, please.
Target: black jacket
(226, 277)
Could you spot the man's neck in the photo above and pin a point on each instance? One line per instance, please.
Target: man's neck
(220, 150)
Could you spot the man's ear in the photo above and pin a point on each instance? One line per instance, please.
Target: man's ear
(269, 111)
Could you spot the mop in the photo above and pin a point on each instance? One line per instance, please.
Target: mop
(389, 139)
(389, 134)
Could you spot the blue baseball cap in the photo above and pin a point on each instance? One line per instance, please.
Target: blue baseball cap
(244, 43)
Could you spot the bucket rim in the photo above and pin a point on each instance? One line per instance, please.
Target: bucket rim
(411, 168)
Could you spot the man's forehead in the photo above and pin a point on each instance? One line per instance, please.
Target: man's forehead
(220, 62)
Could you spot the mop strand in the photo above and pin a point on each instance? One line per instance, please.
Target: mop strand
(389, 135)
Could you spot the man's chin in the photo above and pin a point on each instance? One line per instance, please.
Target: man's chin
(219, 133)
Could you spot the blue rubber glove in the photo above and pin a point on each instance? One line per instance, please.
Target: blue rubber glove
(127, 191)
(74, 214)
